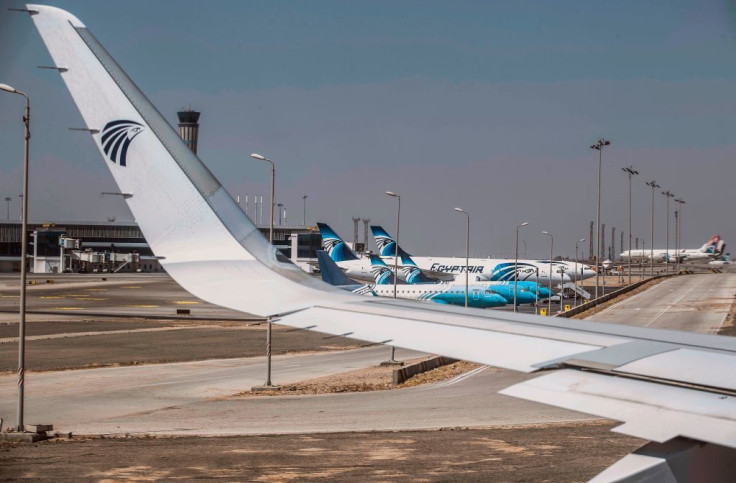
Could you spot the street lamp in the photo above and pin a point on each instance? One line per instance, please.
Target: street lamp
(270, 239)
(598, 146)
(575, 300)
(467, 252)
(396, 249)
(652, 184)
(551, 248)
(631, 172)
(23, 250)
(516, 260)
(304, 207)
(678, 229)
(669, 195)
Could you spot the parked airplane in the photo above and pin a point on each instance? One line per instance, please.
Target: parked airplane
(486, 268)
(674, 388)
(479, 294)
(526, 292)
(710, 249)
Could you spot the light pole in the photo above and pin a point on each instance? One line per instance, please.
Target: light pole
(652, 184)
(536, 284)
(678, 230)
(7, 202)
(467, 252)
(304, 207)
(516, 259)
(669, 195)
(270, 239)
(23, 249)
(631, 172)
(598, 146)
(575, 300)
(396, 249)
(551, 248)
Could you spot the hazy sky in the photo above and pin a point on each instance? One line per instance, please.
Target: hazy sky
(489, 106)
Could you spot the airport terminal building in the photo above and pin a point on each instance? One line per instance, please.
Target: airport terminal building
(72, 246)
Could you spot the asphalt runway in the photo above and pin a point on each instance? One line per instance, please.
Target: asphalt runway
(694, 303)
(86, 295)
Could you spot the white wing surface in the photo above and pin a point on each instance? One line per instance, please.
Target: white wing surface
(661, 385)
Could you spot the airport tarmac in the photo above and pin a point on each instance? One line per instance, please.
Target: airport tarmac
(694, 303)
(188, 398)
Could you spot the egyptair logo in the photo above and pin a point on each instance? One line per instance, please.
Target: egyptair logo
(116, 137)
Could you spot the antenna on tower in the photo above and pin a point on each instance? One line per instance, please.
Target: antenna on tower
(356, 220)
(366, 223)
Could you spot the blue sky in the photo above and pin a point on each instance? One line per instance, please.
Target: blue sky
(490, 106)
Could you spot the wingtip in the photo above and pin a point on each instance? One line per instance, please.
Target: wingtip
(56, 12)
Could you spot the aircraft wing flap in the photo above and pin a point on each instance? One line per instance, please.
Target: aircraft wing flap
(403, 328)
(649, 410)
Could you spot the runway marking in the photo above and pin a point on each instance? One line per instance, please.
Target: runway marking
(130, 286)
(52, 297)
(67, 308)
(9, 296)
(85, 298)
(674, 302)
(186, 302)
(142, 306)
(65, 335)
(457, 379)
(96, 289)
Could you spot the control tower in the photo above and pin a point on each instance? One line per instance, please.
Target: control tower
(189, 127)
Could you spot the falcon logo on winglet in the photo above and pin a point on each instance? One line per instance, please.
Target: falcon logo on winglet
(116, 137)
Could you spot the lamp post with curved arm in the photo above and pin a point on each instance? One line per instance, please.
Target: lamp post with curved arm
(270, 239)
(668, 194)
(551, 249)
(467, 252)
(23, 253)
(575, 300)
(652, 184)
(396, 249)
(516, 259)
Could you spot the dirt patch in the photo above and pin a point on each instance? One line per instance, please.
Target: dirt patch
(542, 452)
(615, 300)
(363, 380)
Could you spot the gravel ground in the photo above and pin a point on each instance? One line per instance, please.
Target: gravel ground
(362, 380)
(549, 452)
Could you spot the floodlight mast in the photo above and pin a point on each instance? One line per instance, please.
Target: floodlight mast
(630, 171)
(598, 146)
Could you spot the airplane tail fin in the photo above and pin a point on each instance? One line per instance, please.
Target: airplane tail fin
(385, 242)
(335, 247)
(711, 245)
(330, 272)
(412, 273)
(380, 271)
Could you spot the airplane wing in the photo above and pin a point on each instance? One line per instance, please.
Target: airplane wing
(669, 387)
